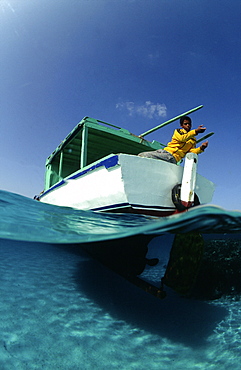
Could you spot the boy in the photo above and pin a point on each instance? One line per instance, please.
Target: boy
(183, 141)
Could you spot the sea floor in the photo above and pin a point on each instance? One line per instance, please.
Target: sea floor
(63, 310)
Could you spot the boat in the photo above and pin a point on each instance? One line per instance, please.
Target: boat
(97, 167)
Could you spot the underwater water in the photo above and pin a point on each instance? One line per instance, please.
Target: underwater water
(61, 309)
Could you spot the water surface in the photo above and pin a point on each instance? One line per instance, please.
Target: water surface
(61, 309)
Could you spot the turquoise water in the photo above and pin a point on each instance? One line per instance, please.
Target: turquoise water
(61, 309)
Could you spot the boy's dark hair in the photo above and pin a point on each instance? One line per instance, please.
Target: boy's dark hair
(185, 118)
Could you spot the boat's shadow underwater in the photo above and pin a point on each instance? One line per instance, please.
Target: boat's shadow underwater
(179, 319)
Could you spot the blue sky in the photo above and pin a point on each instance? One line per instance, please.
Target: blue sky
(133, 63)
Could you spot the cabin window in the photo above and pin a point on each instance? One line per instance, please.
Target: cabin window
(70, 161)
(52, 172)
(64, 163)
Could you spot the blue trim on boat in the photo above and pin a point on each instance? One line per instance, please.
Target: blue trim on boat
(108, 163)
(134, 206)
(62, 182)
(112, 206)
(152, 207)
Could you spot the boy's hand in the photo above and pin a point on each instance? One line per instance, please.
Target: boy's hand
(204, 145)
(200, 129)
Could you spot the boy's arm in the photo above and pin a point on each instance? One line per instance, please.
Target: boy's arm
(181, 136)
(200, 149)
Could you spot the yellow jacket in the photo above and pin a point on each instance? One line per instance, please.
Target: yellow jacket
(182, 143)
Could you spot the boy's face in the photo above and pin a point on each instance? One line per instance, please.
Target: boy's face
(186, 125)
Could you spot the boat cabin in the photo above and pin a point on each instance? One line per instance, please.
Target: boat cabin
(87, 143)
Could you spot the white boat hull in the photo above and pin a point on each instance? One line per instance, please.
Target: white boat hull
(125, 183)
